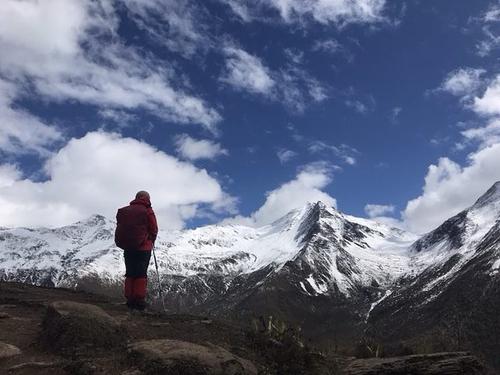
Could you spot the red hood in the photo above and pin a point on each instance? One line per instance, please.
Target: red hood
(142, 201)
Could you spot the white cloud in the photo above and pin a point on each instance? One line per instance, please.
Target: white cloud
(327, 45)
(317, 91)
(357, 106)
(394, 116)
(450, 188)
(71, 50)
(291, 85)
(491, 39)
(101, 172)
(240, 9)
(487, 135)
(195, 149)
(285, 155)
(179, 25)
(493, 13)
(305, 188)
(344, 152)
(338, 12)
(118, 117)
(362, 106)
(297, 88)
(489, 103)
(9, 174)
(463, 82)
(21, 132)
(246, 72)
(376, 210)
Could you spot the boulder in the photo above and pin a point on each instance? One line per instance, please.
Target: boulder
(8, 350)
(71, 326)
(427, 364)
(181, 357)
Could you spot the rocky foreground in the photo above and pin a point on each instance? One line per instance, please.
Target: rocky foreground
(58, 331)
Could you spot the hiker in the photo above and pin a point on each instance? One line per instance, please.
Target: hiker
(136, 231)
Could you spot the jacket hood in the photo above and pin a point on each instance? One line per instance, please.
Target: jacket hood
(142, 201)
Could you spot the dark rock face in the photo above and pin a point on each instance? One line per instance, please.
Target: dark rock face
(181, 357)
(430, 364)
(451, 230)
(71, 326)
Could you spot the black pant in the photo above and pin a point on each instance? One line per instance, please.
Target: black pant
(136, 263)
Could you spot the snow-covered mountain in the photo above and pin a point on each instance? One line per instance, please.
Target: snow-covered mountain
(343, 252)
(438, 258)
(453, 287)
(313, 262)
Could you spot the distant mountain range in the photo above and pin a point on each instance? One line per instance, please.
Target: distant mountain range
(338, 276)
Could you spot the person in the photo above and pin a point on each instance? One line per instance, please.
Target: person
(136, 231)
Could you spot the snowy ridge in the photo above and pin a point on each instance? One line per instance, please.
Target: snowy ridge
(317, 250)
(331, 243)
(348, 253)
(456, 241)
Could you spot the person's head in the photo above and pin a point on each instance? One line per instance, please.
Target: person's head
(142, 195)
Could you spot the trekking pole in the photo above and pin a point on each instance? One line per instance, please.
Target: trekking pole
(160, 293)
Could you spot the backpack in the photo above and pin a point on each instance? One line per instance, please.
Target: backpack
(132, 227)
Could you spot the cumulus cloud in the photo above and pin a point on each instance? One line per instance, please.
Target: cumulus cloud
(101, 172)
(71, 50)
(489, 103)
(376, 210)
(306, 187)
(337, 12)
(195, 149)
(450, 188)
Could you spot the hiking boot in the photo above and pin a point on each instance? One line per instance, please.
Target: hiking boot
(140, 305)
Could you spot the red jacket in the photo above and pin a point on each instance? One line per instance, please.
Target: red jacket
(136, 227)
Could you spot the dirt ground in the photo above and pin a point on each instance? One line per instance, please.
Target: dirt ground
(23, 308)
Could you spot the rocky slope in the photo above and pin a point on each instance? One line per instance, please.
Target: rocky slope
(59, 332)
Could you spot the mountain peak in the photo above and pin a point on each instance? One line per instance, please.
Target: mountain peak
(94, 220)
(322, 207)
(491, 196)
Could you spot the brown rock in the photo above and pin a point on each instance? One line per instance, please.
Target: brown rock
(8, 350)
(426, 364)
(4, 315)
(181, 357)
(71, 326)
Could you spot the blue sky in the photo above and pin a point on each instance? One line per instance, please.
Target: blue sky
(243, 110)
